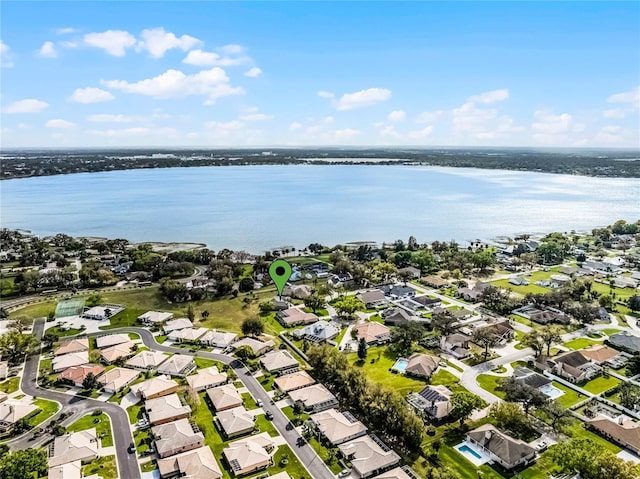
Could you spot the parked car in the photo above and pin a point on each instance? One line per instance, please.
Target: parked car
(259, 402)
(132, 448)
(344, 473)
(269, 415)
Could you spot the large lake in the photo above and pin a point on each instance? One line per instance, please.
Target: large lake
(263, 207)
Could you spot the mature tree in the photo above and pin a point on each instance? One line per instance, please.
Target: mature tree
(558, 416)
(204, 314)
(15, 346)
(424, 260)
(633, 365)
(443, 322)
(21, 322)
(524, 394)
(246, 285)
(94, 300)
(591, 461)
(509, 415)
(173, 290)
(484, 258)
(629, 394)
(252, 327)
(404, 334)
(550, 335)
(496, 299)
(244, 352)
(533, 340)
(90, 382)
(634, 303)
(486, 338)
(315, 300)
(191, 312)
(347, 305)
(23, 464)
(362, 349)
(463, 403)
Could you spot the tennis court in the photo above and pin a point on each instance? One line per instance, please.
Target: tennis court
(69, 307)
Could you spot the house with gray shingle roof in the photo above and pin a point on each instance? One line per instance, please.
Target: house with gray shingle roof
(505, 450)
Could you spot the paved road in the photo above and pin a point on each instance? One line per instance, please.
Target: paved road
(316, 467)
(78, 406)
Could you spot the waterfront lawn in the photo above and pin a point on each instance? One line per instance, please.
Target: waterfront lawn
(104, 467)
(581, 343)
(491, 383)
(10, 385)
(47, 409)
(100, 422)
(570, 397)
(600, 384)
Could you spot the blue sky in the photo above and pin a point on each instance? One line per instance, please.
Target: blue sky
(364, 73)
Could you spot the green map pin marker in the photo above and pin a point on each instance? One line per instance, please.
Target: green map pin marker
(280, 272)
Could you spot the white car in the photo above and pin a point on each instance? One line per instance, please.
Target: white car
(259, 402)
(344, 473)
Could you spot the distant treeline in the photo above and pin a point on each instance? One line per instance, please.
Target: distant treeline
(603, 163)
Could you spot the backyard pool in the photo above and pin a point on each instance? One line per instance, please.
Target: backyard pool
(400, 365)
(552, 391)
(472, 453)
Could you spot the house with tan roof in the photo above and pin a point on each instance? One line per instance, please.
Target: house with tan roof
(176, 437)
(77, 374)
(432, 401)
(250, 454)
(337, 427)
(279, 362)
(235, 422)
(60, 363)
(178, 365)
(117, 378)
(166, 409)
(601, 354)
(187, 334)
(258, 348)
(147, 360)
(111, 340)
(456, 344)
(77, 446)
(373, 332)
(293, 381)
(505, 450)
(12, 411)
(368, 455)
(295, 316)
(112, 353)
(373, 298)
(315, 398)
(422, 365)
(176, 324)
(154, 317)
(207, 378)
(572, 366)
(318, 332)
(434, 281)
(155, 387)
(623, 431)
(218, 339)
(404, 472)
(72, 346)
(224, 397)
(196, 464)
(70, 470)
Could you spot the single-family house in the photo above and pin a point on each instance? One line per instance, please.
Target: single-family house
(456, 344)
(100, 313)
(542, 314)
(410, 272)
(432, 401)
(77, 446)
(77, 374)
(368, 456)
(601, 267)
(155, 387)
(235, 422)
(60, 363)
(70, 470)
(218, 339)
(422, 365)
(398, 291)
(530, 378)
(4, 370)
(12, 411)
(117, 378)
(72, 346)
(518, 281)
(258, 348)
(372, 332)
(198, 463)
(404, 472)
(111, 340)
(373, 298)
(165, 409)
(601, 354)
(427, 301)
(626, 341)
(178, 365)
(623, 430)
(112, 353)
(293, 381)
(176, 324)
(337, 427)
(176, 437)
(501, 329)
(434, 281)
(315, 398)
(224, 397)
(318, 332)
(154, 317)
(300, 291)
(187, 334)
(279, 362)
(396, 315)
(295, 316)
(250, 454)
(572, 366)
(207, 378)
(147, 360)
(505, 450)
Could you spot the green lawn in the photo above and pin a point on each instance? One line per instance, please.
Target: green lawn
(445, 378)
(523, 290)
(578, 430)
(610, 331)
(47, 409)
(324, 454)
(249, 402)
(600, 384)
(10, 385)
(207, 363)
(267, 382)
(105, 467)
(581, 343)
(37, 310)
(570, 397)
(266, 426)
(101, 423)
(490, 383)
(142, 438)
(149, 466)
(293, 467)
(135, 413)
(288, 411)
(454, 366)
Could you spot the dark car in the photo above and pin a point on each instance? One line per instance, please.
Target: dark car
(300, 442)
(132, 448)
(268, 415)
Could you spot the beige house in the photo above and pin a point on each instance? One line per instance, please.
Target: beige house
(235, 422)
(4, 370)
(155, 387)
(196, 464)
(279, 361)
(77, 446)
(147, 360)
(112, 353)
(368, 455)
(111, 340)
(218, 339)
(372, 332)
(72, 346)
(70, 470)
(187, 334)
(315, 398)
(176, 437)
(176, 324)
(77, 374)
(166, 409)
(206, 379)
(258, 348)
(12, 411)
(60, 363)
(422, 365)
(250, 454)
(295, 316)
(602, 354)
(154, 317)
(178, 365)
(404, 472)
(118, 378)
(224, 397)
(624, 431)
(337, 427)
(293, 381)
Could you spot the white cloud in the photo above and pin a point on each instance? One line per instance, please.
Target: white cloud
(48, 50)
(397, 115)
(388, 131)
(328, 120)
(423, 133)
(28, 105)
(614, 113)
(551, 124)
(359, 99)
(489, 97)
(211, 83)
(90, 95)
(157, 42)
(6, 57)
(114, 42)
(65, 31)
(346, 134)
(134, 131)
(295, 126)
(107, 118)
(631, 96)
(253, 72)
(256, 117)
(231, 49)
(222, 130)
(69, 44)
(59, 123)
(469, 119)
(210, 59)
(429, 116)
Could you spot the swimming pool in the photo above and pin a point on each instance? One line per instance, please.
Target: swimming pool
(400, 365)
(472, 453)
(552, 391)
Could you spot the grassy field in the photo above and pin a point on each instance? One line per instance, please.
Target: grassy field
(10, 385)
(581, 343)
(135, 413)
(600, 384)
(249, 402)
(101, 423)
(47, 409)
(570, 397)
(490, 383)
(266, 426)
(61, 332)
(104, 467)
(445, 378)
(142, 439)
(324, 454)
(522, 290)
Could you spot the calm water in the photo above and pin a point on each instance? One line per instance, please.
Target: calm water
(262, 207)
